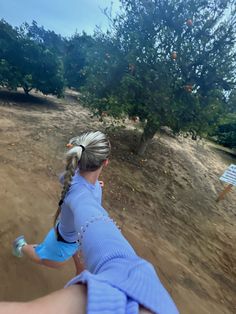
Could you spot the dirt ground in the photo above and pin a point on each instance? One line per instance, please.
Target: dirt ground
(164, 202)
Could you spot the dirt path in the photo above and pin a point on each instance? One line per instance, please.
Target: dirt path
(164, 202)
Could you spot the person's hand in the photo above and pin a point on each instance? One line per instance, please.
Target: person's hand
(101, 184)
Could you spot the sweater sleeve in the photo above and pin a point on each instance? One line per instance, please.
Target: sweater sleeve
(84, 209)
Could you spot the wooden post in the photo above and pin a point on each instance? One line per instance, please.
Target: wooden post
(226, 190)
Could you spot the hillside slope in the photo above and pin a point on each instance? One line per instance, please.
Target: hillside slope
(164, 202)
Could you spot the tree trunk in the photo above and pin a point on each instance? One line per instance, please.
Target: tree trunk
(150, 130)
(144, 142)
(27, 90)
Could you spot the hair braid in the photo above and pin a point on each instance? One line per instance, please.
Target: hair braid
(70, 171)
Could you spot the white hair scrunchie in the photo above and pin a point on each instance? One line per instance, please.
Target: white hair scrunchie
(76, 151)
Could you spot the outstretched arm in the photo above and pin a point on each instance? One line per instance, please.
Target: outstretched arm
(71, 300)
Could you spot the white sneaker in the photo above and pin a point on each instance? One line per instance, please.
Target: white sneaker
(17, 246)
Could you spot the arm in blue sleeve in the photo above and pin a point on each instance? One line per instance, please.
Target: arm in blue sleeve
(84, 207)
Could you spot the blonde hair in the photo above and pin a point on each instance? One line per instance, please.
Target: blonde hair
(87, 153)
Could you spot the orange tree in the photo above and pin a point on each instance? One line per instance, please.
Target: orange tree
(27, 62)
(225, 132)
(75, 59)
(170, 62)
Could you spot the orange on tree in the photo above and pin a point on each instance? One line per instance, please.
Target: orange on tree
(189, 22)
(174, 55)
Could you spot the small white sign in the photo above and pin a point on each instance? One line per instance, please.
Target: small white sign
(229, 175)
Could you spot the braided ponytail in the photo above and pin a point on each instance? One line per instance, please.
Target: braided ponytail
(72, 158)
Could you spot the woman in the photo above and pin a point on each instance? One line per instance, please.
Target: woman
(116, 280)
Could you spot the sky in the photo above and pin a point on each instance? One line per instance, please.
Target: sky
(62, 16)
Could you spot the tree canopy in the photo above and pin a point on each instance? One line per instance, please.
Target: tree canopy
(28, 63)
(75, 59)
(169, 62)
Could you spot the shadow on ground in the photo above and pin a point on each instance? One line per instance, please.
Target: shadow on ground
(17, 98)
